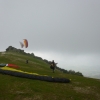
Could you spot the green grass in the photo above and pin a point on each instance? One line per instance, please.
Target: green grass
(15, 88)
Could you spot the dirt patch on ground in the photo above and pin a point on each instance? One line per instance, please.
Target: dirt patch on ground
(77, 83)
(88, 90)
(85, 90)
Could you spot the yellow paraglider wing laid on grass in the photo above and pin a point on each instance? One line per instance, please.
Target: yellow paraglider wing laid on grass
(12, 69)
(18, 73)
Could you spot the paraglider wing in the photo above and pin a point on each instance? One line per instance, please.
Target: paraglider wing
(21, 44)
(25, 43)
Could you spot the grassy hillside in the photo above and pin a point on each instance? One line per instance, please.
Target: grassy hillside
(15, 88)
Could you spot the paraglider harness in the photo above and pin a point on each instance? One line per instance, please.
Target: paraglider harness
(53, 66)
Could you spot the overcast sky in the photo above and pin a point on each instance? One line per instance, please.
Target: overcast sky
(66, 31)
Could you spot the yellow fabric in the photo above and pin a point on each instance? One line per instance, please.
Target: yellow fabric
(12, 69)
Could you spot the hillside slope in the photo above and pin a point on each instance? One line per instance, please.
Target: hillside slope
(15, 88)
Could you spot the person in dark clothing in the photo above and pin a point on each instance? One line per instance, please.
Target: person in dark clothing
(26, 61)
(53, 66)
